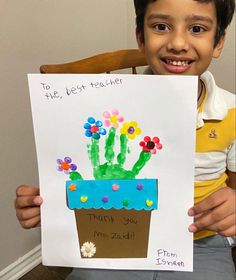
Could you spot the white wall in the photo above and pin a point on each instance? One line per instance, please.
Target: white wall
(35, 32)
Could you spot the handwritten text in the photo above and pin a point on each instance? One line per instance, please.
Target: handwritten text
(168, 258)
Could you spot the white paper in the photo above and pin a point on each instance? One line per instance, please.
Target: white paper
(164, 106)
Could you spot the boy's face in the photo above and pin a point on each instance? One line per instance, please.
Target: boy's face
(179, 36)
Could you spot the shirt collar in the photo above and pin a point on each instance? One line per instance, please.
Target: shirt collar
(214, 107)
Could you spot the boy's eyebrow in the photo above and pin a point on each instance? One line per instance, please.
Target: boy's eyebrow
(192, 17)
(200, 18)
(158, 16)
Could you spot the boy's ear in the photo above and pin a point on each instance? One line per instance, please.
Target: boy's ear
(140, 41)
(219, 47)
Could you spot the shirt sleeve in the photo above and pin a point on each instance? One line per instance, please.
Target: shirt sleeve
(231, 157)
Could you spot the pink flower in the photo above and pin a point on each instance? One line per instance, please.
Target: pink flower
(112, 119)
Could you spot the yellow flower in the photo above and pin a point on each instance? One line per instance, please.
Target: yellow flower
(131, 129)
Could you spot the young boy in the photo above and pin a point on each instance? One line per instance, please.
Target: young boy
(181, 37)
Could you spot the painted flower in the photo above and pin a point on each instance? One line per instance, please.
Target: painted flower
(112, 119)
(88, 249)
(66, 165)
(131, 129)
(151, 145)
(139, 187)
(94, 128)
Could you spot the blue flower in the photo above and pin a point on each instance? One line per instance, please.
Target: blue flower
(94, 128)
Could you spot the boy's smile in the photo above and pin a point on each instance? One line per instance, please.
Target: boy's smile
(179, 36)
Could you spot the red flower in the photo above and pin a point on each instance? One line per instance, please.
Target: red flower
(151, 145)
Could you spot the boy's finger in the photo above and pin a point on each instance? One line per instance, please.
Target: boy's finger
(219, 226)
(224, 225)
(27, 213)
(212, 217)
(214, 200)
(24, 190)
(28, 201)
(207, 204)
(34, 222)
(229, 232)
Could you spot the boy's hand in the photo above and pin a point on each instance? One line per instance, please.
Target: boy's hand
(27, 206)
(217, 213)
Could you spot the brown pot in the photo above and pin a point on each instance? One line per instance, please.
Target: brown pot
(115, 233)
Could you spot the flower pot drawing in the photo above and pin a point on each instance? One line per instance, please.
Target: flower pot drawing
(113, 211)
(113, 216)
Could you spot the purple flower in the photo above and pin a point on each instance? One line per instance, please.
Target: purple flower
(66, 165)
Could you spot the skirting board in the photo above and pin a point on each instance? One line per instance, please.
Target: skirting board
(23, 265)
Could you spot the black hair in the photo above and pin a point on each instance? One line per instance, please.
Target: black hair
(224, 12)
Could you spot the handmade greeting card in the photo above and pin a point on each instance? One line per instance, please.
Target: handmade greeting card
(116, 169)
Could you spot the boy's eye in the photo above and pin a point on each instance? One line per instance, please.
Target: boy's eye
(197, 29)
(161, 27)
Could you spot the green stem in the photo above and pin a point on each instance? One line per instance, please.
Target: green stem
(109, 145)
(94, 153)
(123, 149)
(143, 159)
(74, 175)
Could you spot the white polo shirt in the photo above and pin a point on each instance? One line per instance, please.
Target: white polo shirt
(215, 136)
(215, 141)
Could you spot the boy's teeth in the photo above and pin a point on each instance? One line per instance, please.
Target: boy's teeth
(177, 63)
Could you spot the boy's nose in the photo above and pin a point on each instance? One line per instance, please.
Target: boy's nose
(178, 42)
